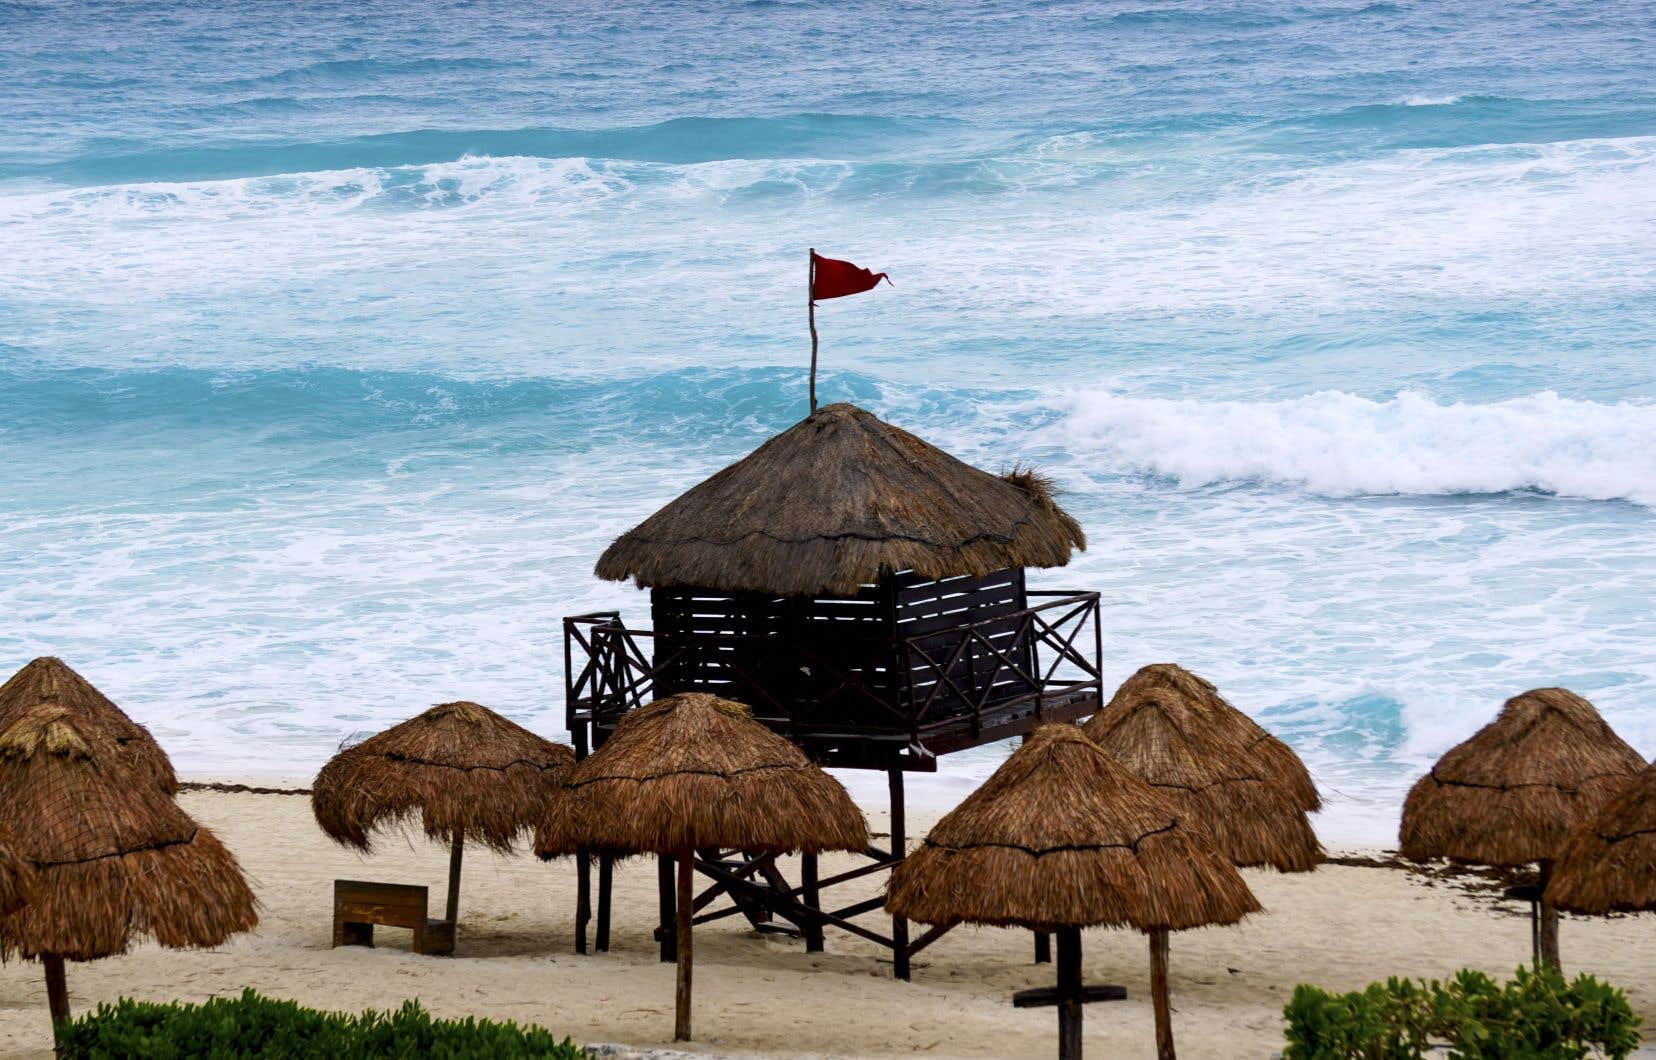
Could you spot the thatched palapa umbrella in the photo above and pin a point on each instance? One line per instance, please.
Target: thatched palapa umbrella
(1060, 838)
(1608, 865)
(691, 772)
(50, 681)
(467, 772)
(1160, 735)
(1224, 721)
(113, 855)
(827, 505)
(1512, 793)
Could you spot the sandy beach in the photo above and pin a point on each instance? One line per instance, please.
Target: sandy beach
(1339, 927)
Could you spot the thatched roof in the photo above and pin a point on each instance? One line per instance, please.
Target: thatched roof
(50, 682)
(458, 765)
(1225, 722)
(835, 501)
(1063, 836)
(1512, 793)
(17, 878)
(693, 771)
(1609, 863)
(1164, 740)
(114, 856)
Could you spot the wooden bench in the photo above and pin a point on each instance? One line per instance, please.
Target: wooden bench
(359, 905)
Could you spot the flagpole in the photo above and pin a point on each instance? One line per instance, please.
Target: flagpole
(810, 316)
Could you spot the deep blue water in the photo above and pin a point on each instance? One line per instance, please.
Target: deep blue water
(336, 340)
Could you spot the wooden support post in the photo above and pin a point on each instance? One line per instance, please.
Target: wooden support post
(899, 848)
(1549, 921)
(667, 918)
(606, 879)
(1069, 993)
(811, 895)
(57, 995)
(583, 898)
(1535, 932)
(453, 912)
(1158, 993)
(686, 898)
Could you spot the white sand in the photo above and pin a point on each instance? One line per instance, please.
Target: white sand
(1338, 927)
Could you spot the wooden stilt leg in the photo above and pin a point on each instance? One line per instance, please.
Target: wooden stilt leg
(686, 899)
(57, 995)
(1549, 922)
(667, 918)
(606, 875)
(1069, 993)
(1158, 993)
(899, 848)
(811, 896)
(583, 899)
(453, 914)
(1535, 933)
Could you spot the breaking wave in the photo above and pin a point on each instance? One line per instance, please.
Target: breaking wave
(1339, 444)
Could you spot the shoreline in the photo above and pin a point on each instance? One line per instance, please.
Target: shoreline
(928, 795)
(1354, 920)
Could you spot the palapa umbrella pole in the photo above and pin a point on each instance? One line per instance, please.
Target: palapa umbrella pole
(1158, 993)
(686, 898)
(1069, 993)
(1548, 926)
(454, 875)
(57, 993)
(1535, 932)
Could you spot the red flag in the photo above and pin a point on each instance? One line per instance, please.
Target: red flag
(836, 279)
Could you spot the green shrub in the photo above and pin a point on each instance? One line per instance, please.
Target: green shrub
(257, 1027)
(1536, 1016)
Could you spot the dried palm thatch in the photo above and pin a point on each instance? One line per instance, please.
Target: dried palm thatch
(1513, 792)
(17, 878)
(1161, 738)
(1063, 836)
(462, 768)
(693, 771)
(835, 501)
(50, 682)
(113, 855)
(1609, 864)
(1224, 721)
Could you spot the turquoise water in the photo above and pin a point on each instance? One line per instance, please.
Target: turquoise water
(336, 340)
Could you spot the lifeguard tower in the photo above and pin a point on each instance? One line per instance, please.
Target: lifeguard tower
(864, 593)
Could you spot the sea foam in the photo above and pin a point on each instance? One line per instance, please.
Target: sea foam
(1339, 444)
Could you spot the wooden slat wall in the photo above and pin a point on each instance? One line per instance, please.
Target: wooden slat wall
(718, 643)
(829, 659)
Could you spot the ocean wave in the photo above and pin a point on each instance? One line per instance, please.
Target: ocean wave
(563, 182)
(321, 403)
(1339, 444)
(675, 141)
(1424, 120)
(349, 71)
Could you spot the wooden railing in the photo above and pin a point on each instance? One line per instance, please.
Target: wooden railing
(959, 678)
